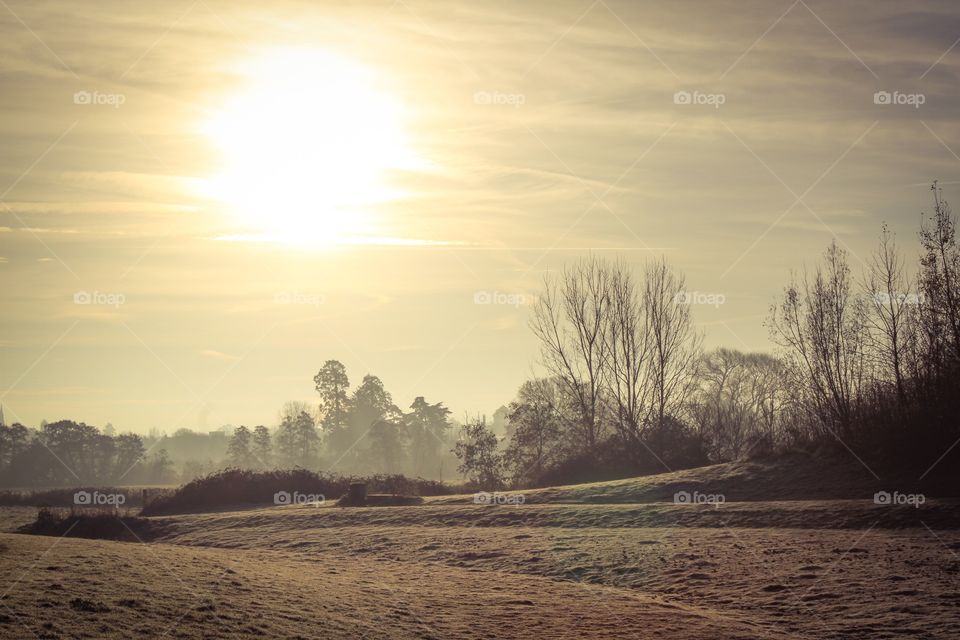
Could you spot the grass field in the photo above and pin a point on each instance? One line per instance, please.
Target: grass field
(567, 563)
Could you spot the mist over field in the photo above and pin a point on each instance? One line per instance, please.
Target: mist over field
(406, 319)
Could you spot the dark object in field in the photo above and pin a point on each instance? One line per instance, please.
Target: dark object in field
(103, 524)
(357, 496)
(357, 493)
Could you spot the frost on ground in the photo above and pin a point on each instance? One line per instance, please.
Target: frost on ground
(574, 568)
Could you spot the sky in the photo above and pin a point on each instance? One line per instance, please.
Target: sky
(202, 201)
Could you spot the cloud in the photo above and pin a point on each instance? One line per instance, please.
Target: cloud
(218, 355)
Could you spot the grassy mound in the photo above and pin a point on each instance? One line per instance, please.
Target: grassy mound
(100, 524)
(239, 487)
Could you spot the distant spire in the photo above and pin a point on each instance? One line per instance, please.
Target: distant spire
(2, 423)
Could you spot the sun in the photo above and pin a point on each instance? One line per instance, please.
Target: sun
(306, 147)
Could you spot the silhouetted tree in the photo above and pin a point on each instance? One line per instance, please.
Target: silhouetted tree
(333, 385)
(427, 426)
(297, 442)
(480, 460)
(262, 447)
(239, 452)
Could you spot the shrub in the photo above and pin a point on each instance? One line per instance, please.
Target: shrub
(102, 524)
(238, 487)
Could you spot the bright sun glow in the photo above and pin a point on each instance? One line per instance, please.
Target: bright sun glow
(306, 147)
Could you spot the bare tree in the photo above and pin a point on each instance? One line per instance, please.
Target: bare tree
(674, 342)
(741, 403)
(821, 325)
(892, 319)
(624, 351)
(627, 381)
(569, 320)
(940, 278)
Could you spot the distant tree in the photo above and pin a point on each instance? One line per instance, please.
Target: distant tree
(500, 424)
(536, 428)
(239, 450)
(130, 453)
(742, 404)
(13, 440)
(333, 385)
(297, 441)
(427, 426)
(160, 468)
(892, 317)
(480, 460)
(262, 447)
(821, 325)
(72, 445)
(569, 320)
(940, 281)
(374, 418)
(14, 443)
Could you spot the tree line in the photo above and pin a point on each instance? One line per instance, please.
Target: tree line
(867, 366)
(864, 365)
(359, 431)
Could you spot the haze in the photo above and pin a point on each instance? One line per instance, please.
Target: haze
(244, 193)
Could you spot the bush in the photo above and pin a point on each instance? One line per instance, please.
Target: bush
(101, 524)
(238, 487)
